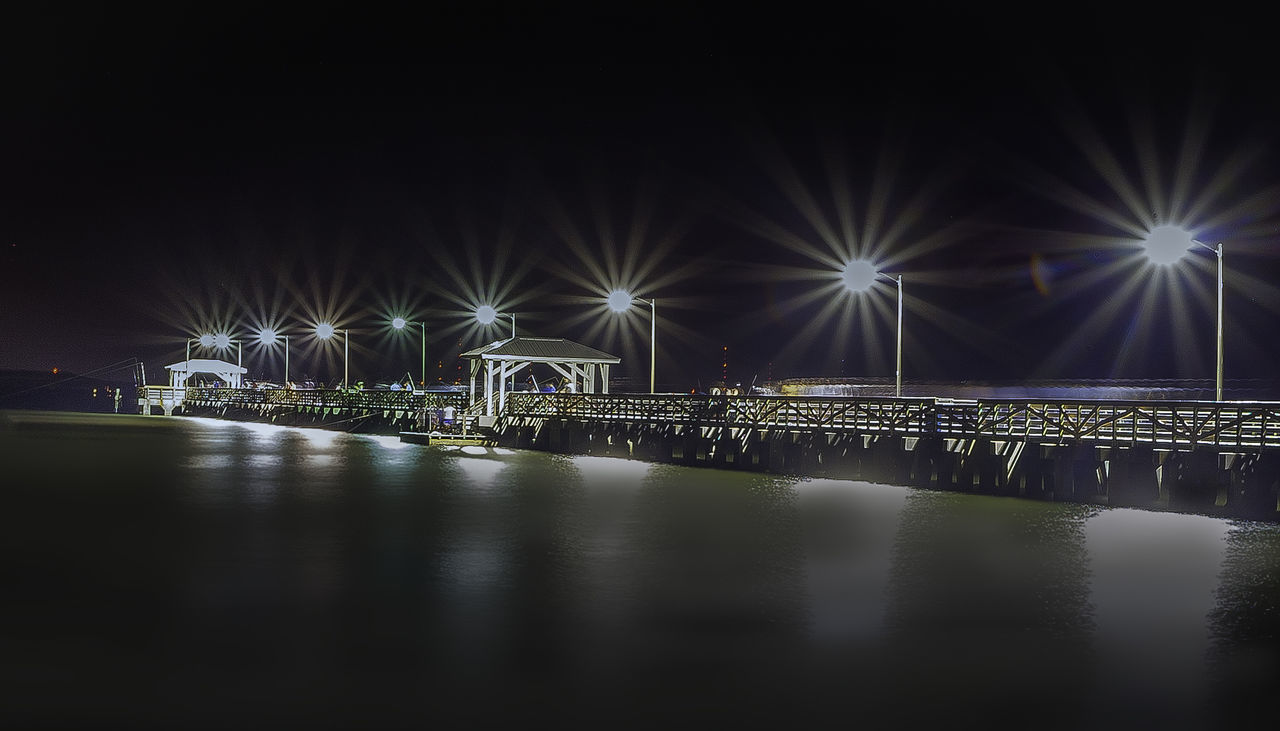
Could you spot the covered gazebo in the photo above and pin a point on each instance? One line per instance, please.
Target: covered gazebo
(182, 370)
(500, 360)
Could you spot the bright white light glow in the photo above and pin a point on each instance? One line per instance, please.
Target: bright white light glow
(324, 331)
(486, 314)
(222, 341)
(612, 473)
(859, 275)
(479, 470)
(267, 336)
(206, 340)
(1167, 244)
(619, 301)
(388, 442)
(398, 323)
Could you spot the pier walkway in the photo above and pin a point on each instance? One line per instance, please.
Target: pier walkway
(1204, 456)
(1164, 425)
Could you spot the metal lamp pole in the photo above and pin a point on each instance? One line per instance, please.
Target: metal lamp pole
(1219, 320)
(898, 385)
(859, 276)
(399, 324)
(1218, 369)
(1167, 244)
(653, 344)
(1218, 385)
(653, 341)
(619, 300)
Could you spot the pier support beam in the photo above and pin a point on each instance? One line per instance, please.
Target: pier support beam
(1193, 480)
(1254, 490)
(1076, 471)
(981, 468)
(1131, 477)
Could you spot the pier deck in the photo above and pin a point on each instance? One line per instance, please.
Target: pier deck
(1204, 456)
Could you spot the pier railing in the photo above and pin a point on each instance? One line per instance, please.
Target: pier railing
(1180, 425)
(1177, 425)
(325, 399)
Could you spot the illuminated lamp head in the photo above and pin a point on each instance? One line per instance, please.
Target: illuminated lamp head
(859, 275)
(486, 314)
(1167, 244)
(619, 300)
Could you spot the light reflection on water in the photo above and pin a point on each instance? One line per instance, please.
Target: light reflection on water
(182, 572)
(1153, 579)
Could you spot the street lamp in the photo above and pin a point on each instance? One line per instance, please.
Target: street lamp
(267, 336)
(1166, 245)
(399, 324)
(620, 301)
(858, 276)
(206, 341)
(486, 315)
(223, 342)
(324, 331)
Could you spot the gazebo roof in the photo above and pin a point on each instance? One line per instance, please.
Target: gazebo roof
(540, 350)
(206, 365)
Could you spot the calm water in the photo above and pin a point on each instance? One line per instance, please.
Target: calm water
(179, 573)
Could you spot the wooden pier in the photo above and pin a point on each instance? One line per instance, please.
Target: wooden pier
(1220, 458)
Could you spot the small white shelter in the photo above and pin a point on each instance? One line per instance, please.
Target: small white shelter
(230, 373)
(502, 359)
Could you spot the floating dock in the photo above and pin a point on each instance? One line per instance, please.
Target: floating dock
(447, 440)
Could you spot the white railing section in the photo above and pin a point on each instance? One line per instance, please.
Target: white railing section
(1248, 426)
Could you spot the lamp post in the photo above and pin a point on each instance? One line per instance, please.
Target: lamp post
(223, 341)
(486, 315)
(1166, 245)
(399, 324)
(267, 336)
(858, 276)
(206, 341)
(619, 301)
(324, 331)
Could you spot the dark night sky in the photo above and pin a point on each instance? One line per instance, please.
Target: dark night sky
(164, 170)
